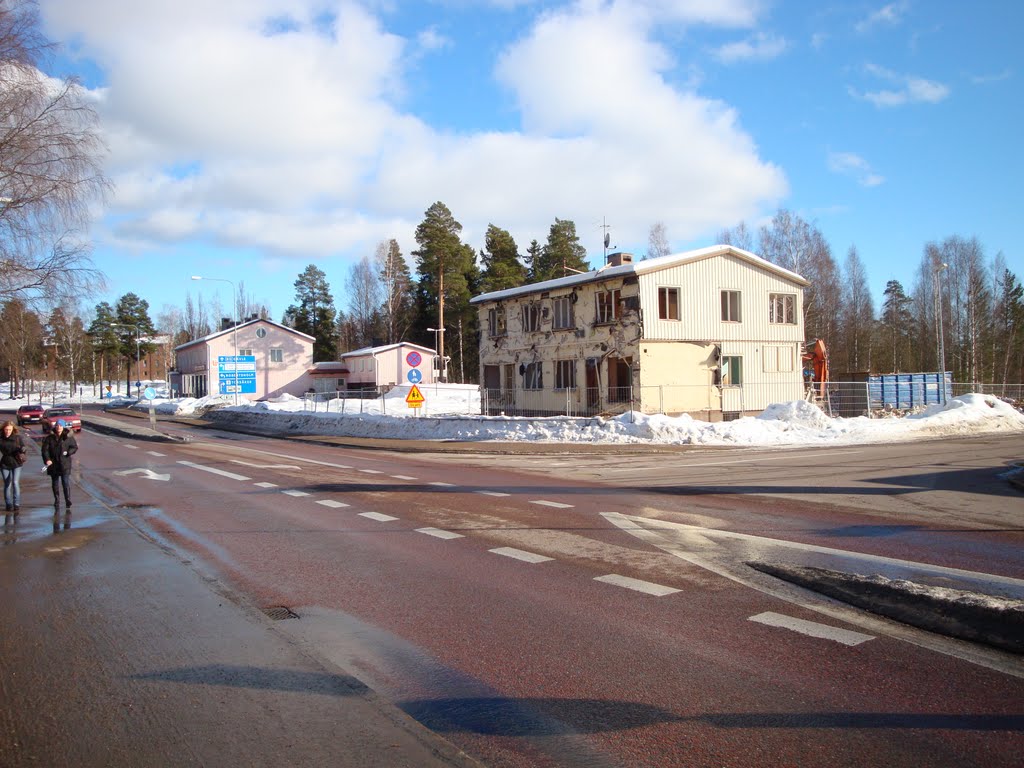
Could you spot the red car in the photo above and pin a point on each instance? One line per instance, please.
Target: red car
(71, 419)
(30, 414)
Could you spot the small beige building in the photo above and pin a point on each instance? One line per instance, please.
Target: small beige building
(258, 358)
(388, 366)
(714, 333)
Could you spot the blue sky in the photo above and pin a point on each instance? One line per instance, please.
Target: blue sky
(249, 138)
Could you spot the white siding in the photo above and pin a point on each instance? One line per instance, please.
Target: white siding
(700, 286)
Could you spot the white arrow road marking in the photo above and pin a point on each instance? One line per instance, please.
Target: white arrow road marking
(811, 628)
(264, 466)
(519, 554)
(215, 471)
(638, 585)
(148, 473)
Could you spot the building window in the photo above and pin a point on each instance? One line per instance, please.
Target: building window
(277, 355)
(508, 382)
(668, 303)
(731, 306)
(782, 308)
(496, 321)
(245, 352)
(608, 306)
(565, 374)
(732, 371)
(531, 316)
(564, 318)
(533, 376)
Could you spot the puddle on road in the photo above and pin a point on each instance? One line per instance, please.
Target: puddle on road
(56, 531)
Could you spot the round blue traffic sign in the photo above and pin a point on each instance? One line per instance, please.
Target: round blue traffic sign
(414, 376)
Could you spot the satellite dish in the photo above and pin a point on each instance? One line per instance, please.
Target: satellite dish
(607, 239)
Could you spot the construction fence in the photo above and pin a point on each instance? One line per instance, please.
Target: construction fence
(885, 395)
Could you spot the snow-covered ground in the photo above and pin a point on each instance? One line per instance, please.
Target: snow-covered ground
(445, 416)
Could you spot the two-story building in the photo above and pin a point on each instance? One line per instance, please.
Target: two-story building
(715, 333)
(257, 359)
(371, 368)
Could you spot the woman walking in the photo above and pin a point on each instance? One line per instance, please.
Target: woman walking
(58, 448)
(13, 453)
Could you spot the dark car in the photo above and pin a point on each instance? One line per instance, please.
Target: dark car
(30, 414)
(51, 415)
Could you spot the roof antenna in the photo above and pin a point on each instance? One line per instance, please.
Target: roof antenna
(607, 238)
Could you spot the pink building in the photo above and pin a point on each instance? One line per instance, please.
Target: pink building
(259, 358)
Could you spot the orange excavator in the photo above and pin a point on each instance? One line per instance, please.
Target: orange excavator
(815, 357)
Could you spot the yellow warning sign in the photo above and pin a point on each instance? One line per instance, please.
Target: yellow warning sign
(415, 398)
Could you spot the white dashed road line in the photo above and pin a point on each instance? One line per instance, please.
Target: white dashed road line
(377, 516)
(647, 587)
(155, 453)
(812, 628)
(332, 503)
(295, 493)
(518, 554)
(266, 485)
(555, 504)
(402, 477)
(442, 485)
(439, 533)
(215, 471)
(493, 493)
(372, 471)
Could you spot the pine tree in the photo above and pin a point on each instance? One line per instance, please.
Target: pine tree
(502, 266)
(132, 326)
(896, 320)
(314, 313)
(445, 266)
(562, 254)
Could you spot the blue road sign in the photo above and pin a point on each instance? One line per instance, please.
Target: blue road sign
(414, 376)
(237, 370)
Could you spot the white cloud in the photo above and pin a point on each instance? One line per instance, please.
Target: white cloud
(761, 46)
(294, 140)
(430, 39)
(855, 166)
(910, 89)
(888, 15)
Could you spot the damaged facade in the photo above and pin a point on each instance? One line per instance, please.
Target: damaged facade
(714, 333)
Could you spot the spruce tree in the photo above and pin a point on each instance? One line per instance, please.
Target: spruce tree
(502, 267)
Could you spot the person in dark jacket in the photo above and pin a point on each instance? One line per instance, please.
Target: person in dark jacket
(13, 453)
(58, 448)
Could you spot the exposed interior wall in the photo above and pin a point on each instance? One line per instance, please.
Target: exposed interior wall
(679, 377)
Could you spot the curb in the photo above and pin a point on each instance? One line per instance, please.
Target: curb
(994, 621)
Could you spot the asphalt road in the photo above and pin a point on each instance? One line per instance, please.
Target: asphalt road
(561, 610)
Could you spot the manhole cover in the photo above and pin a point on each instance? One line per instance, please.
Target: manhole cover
(280, 613)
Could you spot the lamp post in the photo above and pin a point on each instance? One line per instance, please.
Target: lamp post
(234, 325)
(438, 332)
(138, 354)
(942, 336)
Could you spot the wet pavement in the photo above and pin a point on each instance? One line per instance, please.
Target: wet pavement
(117, 652)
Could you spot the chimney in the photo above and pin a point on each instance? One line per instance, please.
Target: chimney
(618, 259)
(225, 323)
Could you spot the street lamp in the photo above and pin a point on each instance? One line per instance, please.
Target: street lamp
(234, 324)
(942, 336)
(138, 356)
(438, 352)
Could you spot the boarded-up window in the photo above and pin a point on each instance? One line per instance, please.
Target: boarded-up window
(778, 358)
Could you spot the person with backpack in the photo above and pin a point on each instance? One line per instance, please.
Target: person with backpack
(58, 448)
(13, 454)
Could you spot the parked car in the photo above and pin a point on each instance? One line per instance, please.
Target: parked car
(51, 415)
(30, 414)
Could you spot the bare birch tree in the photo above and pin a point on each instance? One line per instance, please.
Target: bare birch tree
(50, 166)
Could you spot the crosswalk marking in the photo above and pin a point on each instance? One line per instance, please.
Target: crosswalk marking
(638, 585)
(519, 554)
(811, 628)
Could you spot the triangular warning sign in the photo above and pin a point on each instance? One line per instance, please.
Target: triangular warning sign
(415, 398)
